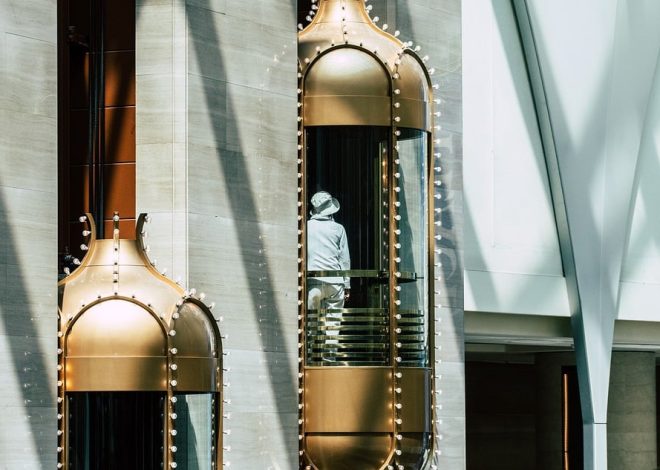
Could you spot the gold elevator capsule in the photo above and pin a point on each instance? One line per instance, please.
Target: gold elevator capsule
(133, 342)
(365, 122)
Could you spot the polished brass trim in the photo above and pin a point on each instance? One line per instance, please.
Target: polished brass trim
(348, 451)
(348, 273)
(334, 107)
(414, 384)
(91, 245)
(302, 268)
(403, 276)
(185, 361)
(346, 407)
(393, 242)
(413, 114)
(348, 310)
(116, 374)
(197, 374)
(347, 111)
(409, 99)
(430, 163)
(115, 299)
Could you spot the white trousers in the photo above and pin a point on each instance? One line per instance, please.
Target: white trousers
(327, 296)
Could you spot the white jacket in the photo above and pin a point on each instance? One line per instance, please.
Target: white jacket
(327, 248)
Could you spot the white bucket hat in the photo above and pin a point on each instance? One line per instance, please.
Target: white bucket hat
(324, 204)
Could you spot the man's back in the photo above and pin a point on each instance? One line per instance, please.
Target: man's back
(327, 247)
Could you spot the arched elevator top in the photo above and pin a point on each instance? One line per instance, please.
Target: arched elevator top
(132, 339)
(365, 138)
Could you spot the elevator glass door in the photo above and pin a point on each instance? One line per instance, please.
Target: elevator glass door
(413, 252)
(351, 163)
(194, 423)
(115, 430)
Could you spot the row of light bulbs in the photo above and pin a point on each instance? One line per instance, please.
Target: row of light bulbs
(437, 222)
(398, 375)
(172, 365)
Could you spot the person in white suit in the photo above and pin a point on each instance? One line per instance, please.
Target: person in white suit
(327, 250)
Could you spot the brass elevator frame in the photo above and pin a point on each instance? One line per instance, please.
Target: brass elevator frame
(183, 363)
(402, 112)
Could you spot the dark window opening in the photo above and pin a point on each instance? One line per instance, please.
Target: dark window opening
(572, 445)
(116, 430)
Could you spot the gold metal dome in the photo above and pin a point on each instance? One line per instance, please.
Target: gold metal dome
(124, 327)
(103, 353)
(353, 73)
(119, 317)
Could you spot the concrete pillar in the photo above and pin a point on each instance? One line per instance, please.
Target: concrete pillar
(595, 445)
(631, 416)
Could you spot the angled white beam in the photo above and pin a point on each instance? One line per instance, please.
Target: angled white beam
(591, 66)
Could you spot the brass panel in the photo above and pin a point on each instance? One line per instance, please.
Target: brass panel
(347, 71)
(414, 114)
(116, 328)
(412, 81)
(348, 400)
(415, 399)
(347, 111)
(197, 374)
(195, 336)
(349, 451)
(326, 30)
(99, 374)
(133, 280)
(104, 254)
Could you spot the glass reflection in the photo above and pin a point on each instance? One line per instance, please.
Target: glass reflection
(195, 431)
(413, 251)
(347, 246)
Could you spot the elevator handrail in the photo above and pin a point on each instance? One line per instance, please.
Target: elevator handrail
(403, 276)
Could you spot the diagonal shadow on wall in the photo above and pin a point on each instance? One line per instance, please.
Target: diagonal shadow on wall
(243, 205)
(27, 357)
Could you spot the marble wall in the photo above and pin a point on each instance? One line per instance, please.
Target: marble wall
(28, 233)
(216, 165)
(631, 412)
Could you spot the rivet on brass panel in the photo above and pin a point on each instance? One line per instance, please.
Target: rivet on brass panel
(116, 319)
(365, 308)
